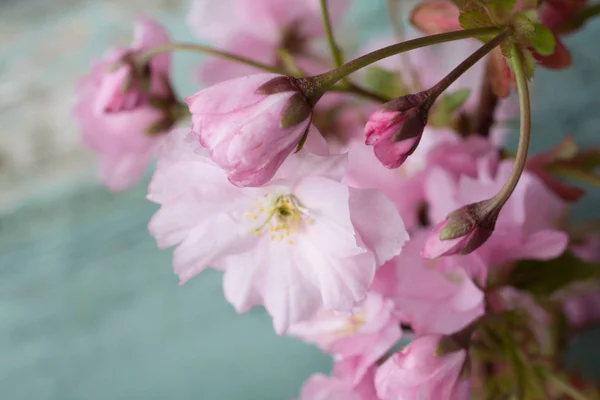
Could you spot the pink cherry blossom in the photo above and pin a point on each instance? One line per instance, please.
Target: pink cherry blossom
(435, 296)
(302, 242)
(417, 373)
(357, 340)
(439, 148)
(244, 129)
(526, 225)
(231, 25)
(339, 387)
(115, 124)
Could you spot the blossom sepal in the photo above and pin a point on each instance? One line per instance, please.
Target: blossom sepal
(463, 231)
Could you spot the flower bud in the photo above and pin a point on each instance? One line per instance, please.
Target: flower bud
(251, 124)
(130, 81)
(463, 230)
(419, 372)
(396, 129)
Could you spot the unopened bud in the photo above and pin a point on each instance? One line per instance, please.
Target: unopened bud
(463, 230)
(396, 129)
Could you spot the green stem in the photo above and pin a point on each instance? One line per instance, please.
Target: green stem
(464, 66)
(566, 388)
(147, 55)
(525, 130)
(321, 83)
(335, 50)
(361, 92)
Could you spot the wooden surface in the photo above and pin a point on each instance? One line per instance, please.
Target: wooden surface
(89, 308)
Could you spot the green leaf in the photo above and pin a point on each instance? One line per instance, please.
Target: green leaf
(543, 40)
(468, 5)
(542, 278)
(501, 10)
(442, 114)
(477, 18)
(385, 83)
(524, 27)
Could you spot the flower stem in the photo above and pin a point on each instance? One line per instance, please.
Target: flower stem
(464, 66)
(360, 92)
(321, 83)
(525, 130)
(146, 55)
(338, 58)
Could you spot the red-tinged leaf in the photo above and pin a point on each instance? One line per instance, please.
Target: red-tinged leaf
(576, 173)
(560, 59)
(565, 191)
(500, 73)
(555, 13)
(437, 16)
(566, 150)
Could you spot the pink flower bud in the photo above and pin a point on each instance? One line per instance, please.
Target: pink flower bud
(129, 82)
(250, 124)
(122, 126)
(395, 130)
(462, 232)
(417, 372)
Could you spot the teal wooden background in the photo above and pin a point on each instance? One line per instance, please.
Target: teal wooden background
(90, 309)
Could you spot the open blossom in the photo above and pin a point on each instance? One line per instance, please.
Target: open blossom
(417, 373)
(115, 122)
(526, 225)
(302, 242)
(250, 124)
(439, 148)
(356, 340)
(292, 26)
(435, 296)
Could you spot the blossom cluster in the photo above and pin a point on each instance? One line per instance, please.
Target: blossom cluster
(355, 224)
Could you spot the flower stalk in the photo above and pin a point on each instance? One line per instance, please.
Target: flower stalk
(147, 55)
(319, 84)
(525, 130)
(336, 53)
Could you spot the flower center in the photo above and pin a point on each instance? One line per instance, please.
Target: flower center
(283, 216)
(352, 325)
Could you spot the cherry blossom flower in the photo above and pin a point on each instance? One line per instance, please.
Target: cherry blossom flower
(302, 242)
(120, 125)
(526, 225)
(435, 296)
(417, 373)
(250, 124)
(356, 340)
(439, 148)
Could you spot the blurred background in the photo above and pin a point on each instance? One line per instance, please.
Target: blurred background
(89, 308)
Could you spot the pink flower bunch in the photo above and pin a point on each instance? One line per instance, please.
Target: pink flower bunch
(355, 223)
(124, 106)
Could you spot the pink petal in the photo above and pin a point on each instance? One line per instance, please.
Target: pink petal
(378, 223)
